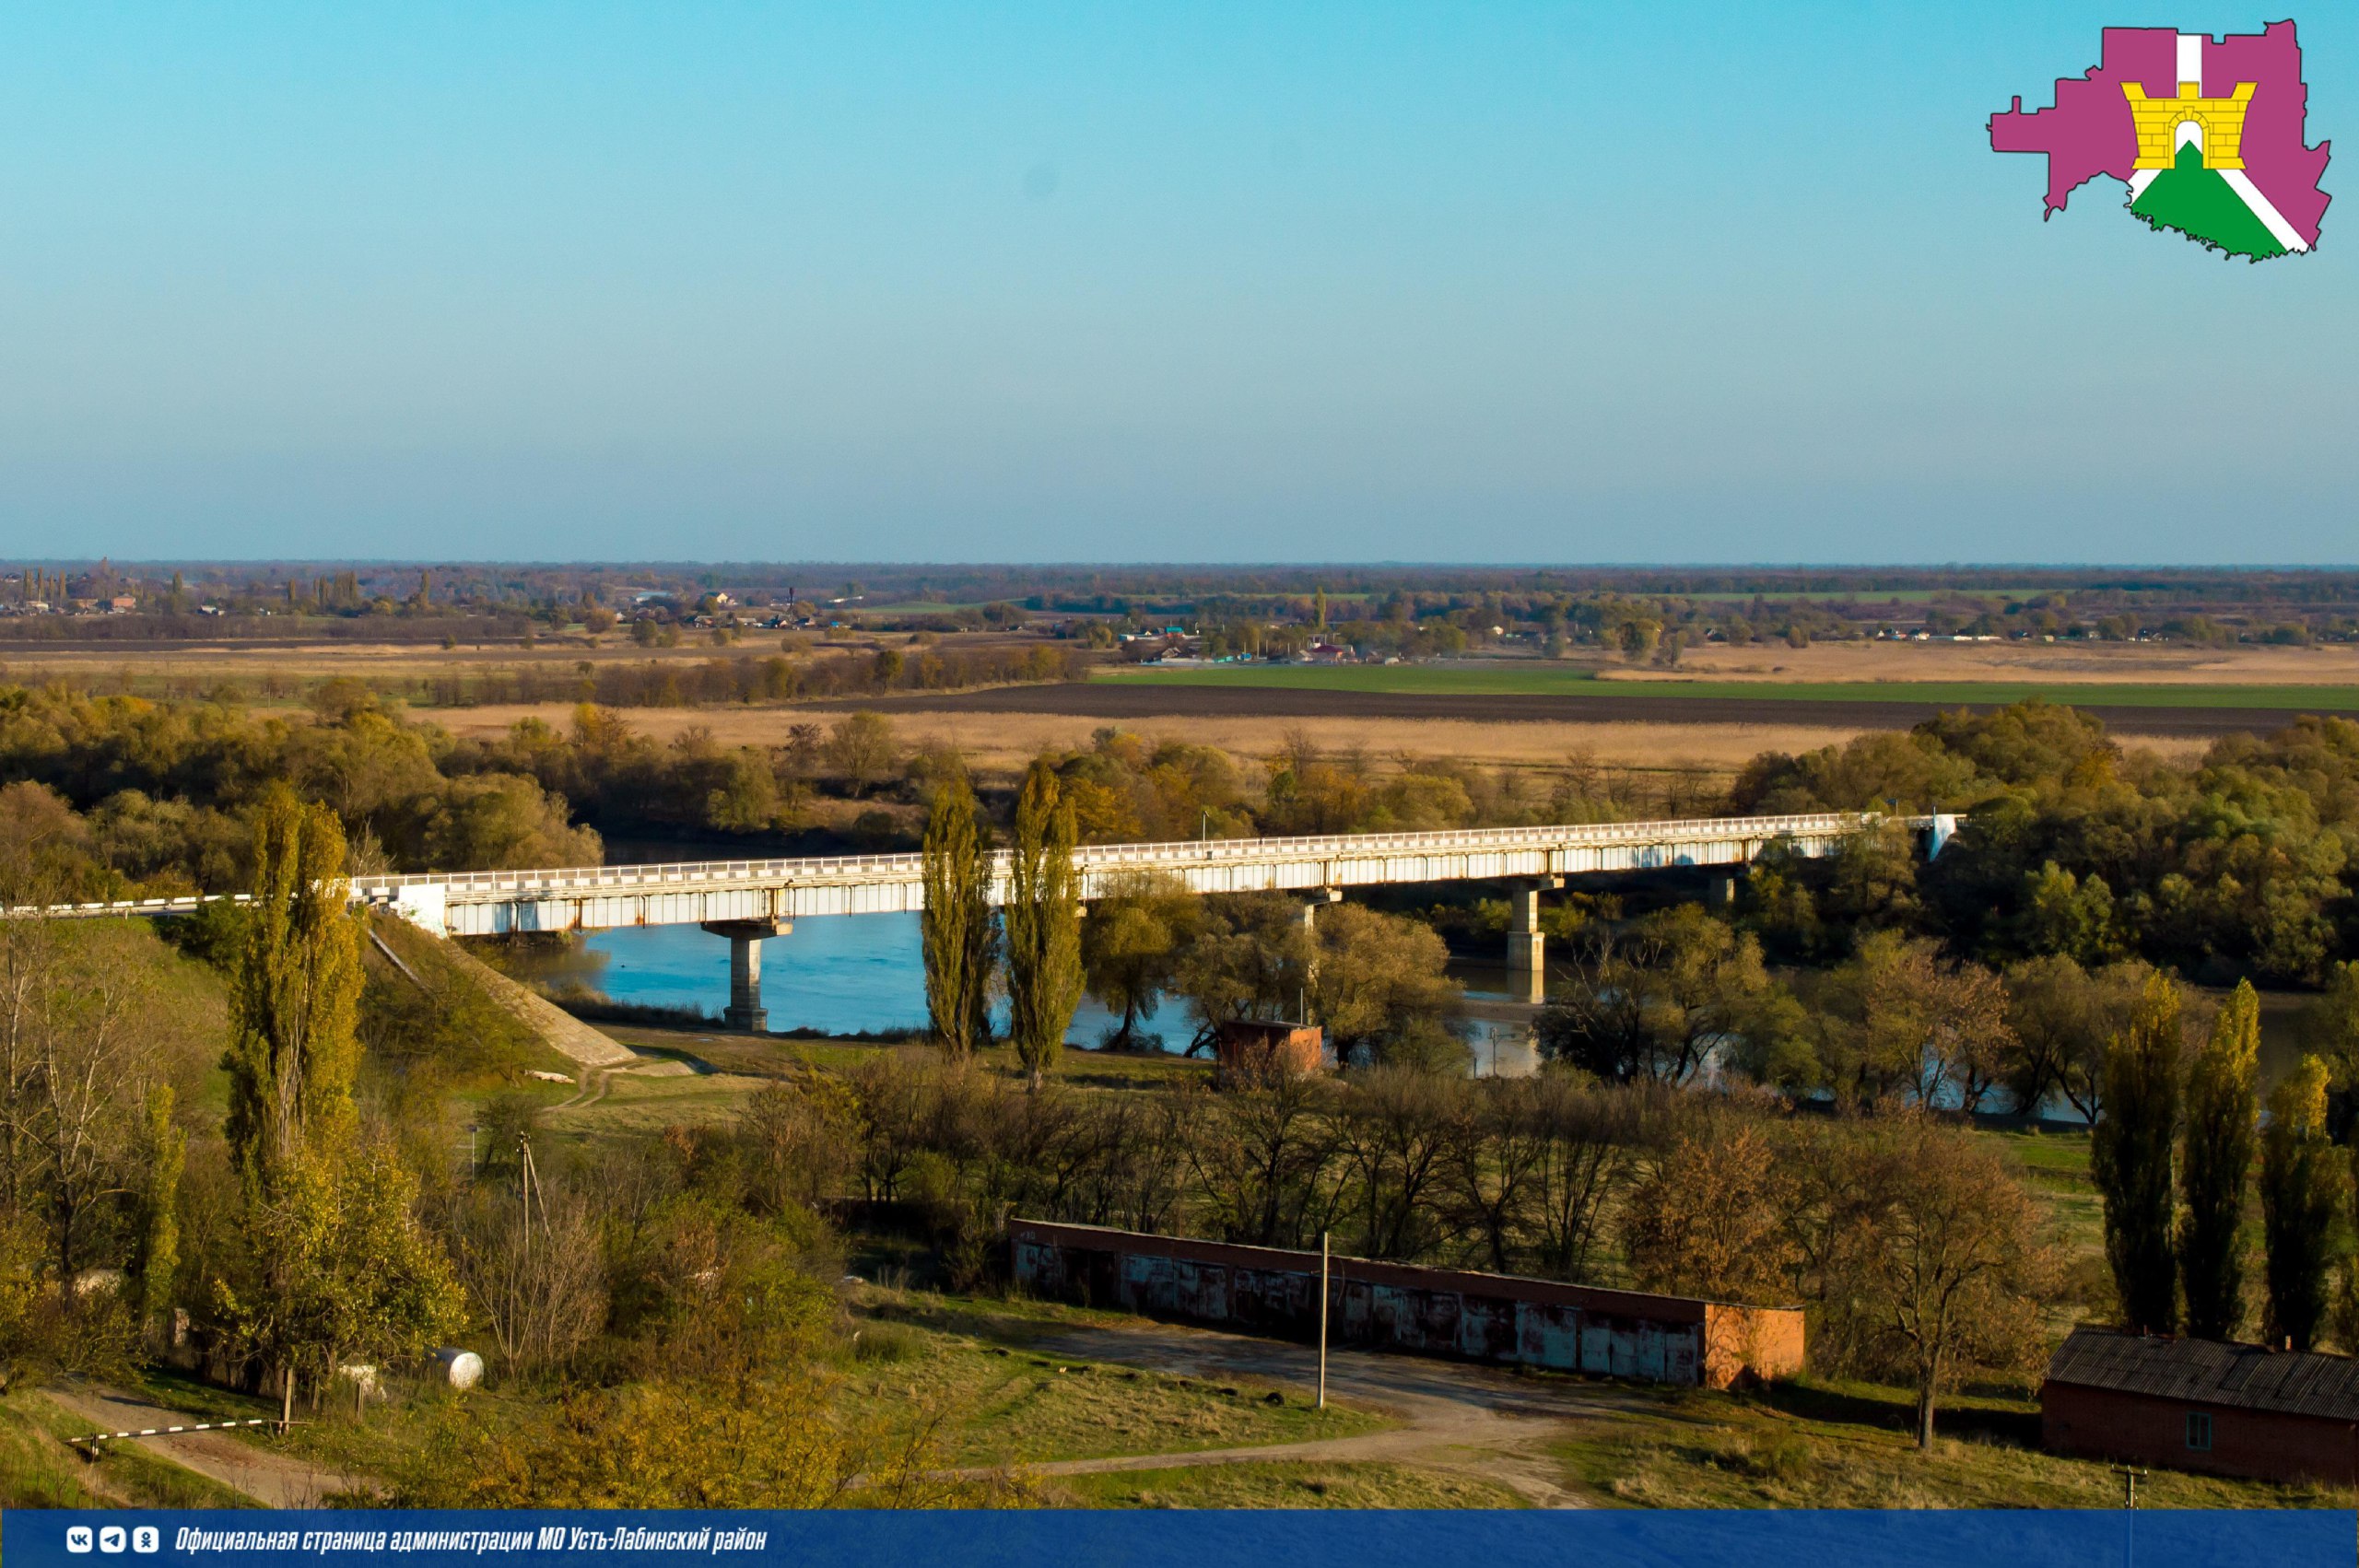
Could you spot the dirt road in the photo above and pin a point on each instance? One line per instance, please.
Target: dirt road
(271, 1479)
(1476, 1421)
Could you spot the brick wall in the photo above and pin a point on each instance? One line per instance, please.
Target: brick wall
(1452, 1312)
(2142, 1429)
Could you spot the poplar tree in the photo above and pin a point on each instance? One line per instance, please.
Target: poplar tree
(156, 1255)
(295, 996)
(2215, 1168)
(2129, 1155)
(339, 1266)
(956, 927)
(1043, 922)
(2301, 1188)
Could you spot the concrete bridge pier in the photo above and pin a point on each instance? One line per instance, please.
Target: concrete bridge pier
(1526, 942)
(745, 1013)
(1315, 900)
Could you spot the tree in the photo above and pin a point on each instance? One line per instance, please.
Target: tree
(157, 1254)
(1395, 1127)
(1131, 945)
(1262, 1155)
(345, 1271)
(294, 994)
(1251, 958)
(504, 822)
(2215, 1168)
(955, 928)
(1894, 1020)
(2129, 1155)
(860, 749)
(2329, 1025)
(1655, 1002)
(1705, 1219)
(2301, 1189)
(1379, 985)
(1956, 1264)
(1043, 918)
(1585, 1132)
(337, 1265)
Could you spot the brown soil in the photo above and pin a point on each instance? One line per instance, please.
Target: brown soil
(1148, 705)
(2130, 663)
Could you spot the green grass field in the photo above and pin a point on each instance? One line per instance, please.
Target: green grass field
(1513, 679)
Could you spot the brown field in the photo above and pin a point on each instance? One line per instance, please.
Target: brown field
(2099, 663)
(297, 662)
(998, 741)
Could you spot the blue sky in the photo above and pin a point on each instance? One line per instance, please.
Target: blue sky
(1553, 283)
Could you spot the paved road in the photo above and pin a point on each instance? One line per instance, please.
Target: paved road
(1112, 699)
(1476, 1421)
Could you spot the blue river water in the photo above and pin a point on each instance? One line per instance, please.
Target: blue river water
(856, 974)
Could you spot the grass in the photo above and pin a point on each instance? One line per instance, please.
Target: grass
(1003, 1402)
(1510, 680)
(2055, 1166)
(35, 1470)
(1808, 1444)
(1274, 1483)
(38, 1470)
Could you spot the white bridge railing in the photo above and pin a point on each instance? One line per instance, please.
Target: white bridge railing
(709, 892)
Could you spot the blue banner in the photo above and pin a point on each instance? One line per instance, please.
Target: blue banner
(588, 1538)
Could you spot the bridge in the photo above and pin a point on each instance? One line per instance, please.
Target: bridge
(748, 901)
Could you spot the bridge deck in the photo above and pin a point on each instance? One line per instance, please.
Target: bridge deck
(596, 897)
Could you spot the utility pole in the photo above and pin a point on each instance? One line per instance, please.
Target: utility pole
(2130, 1474)
(1322, 1320)
(524, 1192)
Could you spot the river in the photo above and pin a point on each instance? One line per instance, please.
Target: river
(864, 974)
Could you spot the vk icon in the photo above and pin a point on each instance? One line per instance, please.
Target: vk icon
(147, 1538)
(110, 1537)
(77, 1538)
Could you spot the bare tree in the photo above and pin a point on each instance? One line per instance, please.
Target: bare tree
(1262, 1155)
(1395, 1127)
(542, 1289)
(1958, 1263)
(1583, 1132)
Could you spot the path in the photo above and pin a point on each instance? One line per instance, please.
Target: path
(1479, 1421)
(270, 1478)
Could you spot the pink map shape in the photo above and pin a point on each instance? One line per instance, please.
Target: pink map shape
(2087, 132)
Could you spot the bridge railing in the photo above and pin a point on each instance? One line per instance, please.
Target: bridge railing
(493, 886)
(1185, 851)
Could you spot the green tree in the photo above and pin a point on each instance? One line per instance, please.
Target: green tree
(347, 1273)
(956, 928)
(1653, 1001)
(2215, 1168)
(1043, 922)
(2130, 1157)
(156, 1257)
(2301, 1189)
(2329, 1025)
(1131, 945)
(294, 995)
(1379, 987)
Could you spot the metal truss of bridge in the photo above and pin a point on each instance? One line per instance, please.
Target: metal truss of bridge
(749, 900)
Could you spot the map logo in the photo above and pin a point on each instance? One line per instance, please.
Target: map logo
(2207, 133)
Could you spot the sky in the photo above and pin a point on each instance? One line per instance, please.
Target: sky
(1370, 281)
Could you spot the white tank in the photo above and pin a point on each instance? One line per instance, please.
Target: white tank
(463, 1368)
